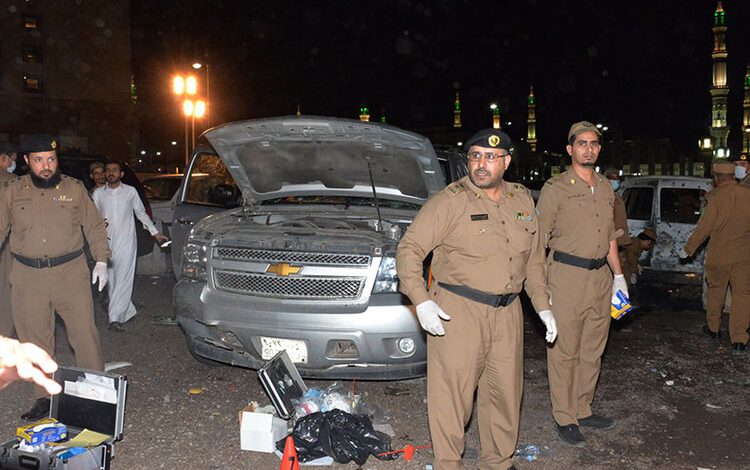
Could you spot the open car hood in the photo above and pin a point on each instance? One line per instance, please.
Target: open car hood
(312, 155)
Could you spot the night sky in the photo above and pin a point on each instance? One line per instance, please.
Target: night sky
(641, 67)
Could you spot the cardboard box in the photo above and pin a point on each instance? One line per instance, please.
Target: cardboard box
(259, 432)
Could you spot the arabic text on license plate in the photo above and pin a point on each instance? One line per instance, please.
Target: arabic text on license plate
(297, 350)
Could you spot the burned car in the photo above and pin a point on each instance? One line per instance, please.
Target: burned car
(306, 262)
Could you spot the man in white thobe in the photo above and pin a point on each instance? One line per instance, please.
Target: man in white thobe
(117, 202)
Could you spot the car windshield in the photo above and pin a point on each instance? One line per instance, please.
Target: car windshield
(345, 201)
(161, 189)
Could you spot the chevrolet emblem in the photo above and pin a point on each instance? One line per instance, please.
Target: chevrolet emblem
(283, 269)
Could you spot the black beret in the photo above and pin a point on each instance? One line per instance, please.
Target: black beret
(489, 138)
(8, 148)
(38, 143)
(740, 158)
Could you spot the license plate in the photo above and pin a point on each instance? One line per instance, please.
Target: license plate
(297, 350)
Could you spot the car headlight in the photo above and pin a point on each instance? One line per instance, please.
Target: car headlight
(194, 260)
(387, 279)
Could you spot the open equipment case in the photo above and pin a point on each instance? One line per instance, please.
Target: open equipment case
(77, 413)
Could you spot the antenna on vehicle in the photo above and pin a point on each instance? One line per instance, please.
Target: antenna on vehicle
(374, 195)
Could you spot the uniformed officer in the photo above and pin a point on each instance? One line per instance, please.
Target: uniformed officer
(741, 169)
(484, 238)
(725, 222)
(576, 210)
(7, 165)
(48, 215)
(644, 241)
(621, 216)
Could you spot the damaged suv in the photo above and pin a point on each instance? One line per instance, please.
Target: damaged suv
(306, 261)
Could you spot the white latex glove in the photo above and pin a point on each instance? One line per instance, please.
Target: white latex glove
(549, 322)
(633, 278)
(99, 274)
(429, 314)
(618, 283)
(683, 254)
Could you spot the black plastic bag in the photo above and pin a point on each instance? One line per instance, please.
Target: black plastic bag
(340, 435)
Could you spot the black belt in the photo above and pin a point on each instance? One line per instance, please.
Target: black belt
(47, 262)
(579, 262)
(493, 300)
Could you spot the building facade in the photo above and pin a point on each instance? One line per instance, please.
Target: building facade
(65, 69)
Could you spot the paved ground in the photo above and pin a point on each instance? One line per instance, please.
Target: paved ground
(681, 400)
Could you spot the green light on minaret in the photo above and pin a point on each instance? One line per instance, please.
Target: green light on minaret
(719, 16)
(133, 91)
(382, 115)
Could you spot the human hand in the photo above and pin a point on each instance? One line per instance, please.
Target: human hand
(429, 314)
(26, 361)
(633, 278)
(618, 283)
(99, 274)
(161, 238)
(548, 318)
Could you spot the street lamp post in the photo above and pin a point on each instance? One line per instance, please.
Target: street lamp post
(199, 65)
(185, 87)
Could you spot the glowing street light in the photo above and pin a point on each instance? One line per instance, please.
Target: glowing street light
(198, 66)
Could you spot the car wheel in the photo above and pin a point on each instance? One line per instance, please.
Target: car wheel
(201, 359)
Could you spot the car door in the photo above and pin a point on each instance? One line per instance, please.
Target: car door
(679, 203)
(639, 205)
(206, 189)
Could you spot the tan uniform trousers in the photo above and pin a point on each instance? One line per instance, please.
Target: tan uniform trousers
(6, 318)
(581, 301)
(718, 276)
(482, 346)
(37, 293)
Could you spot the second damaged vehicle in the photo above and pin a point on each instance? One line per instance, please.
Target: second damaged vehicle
(306, 263)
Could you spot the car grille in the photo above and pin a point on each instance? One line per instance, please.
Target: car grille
(273, 256)
(289, 287)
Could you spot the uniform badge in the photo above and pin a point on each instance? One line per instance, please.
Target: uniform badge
(62, 198)
(475, 217)
(53, 144)
(510, 194)
(493, 140)
(524, 216)
(572, 181)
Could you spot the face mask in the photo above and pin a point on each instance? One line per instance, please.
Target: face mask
(11, 168)
(740, 172)
(615, 184)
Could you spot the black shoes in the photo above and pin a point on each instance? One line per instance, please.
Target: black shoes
(116, 326)
(38, 411)
(571, 435)
(597, 422)
(711, 334)
(738, 348)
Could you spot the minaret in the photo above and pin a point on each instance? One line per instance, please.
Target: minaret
(133, 90)
(531, 135)
(495, 116)
(746, 113)
(457, 113)
(720, 88)
(364, 113)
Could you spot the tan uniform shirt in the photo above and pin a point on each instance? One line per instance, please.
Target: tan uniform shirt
(745, 181)
(621, 221)
(726, 222)
(5, 176)
(46, 223)
(476, 242)
(574, 220)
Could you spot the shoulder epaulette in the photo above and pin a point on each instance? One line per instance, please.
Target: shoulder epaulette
(455, 188)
